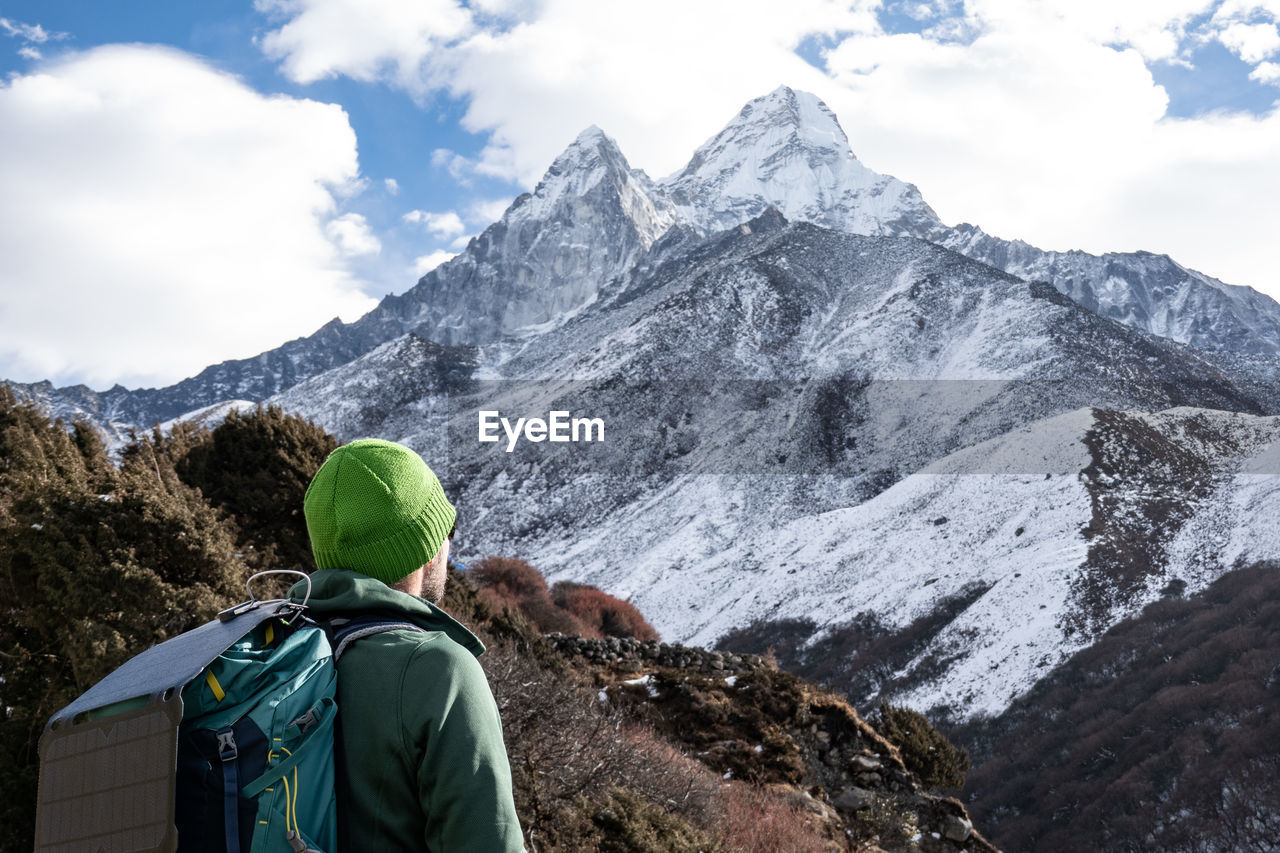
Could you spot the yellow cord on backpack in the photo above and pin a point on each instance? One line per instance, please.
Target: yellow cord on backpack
(292, 832)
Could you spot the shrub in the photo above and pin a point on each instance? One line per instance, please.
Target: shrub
(1163, 735)
(96, 564)
(606, 614)
(569, 754)
(256, 467)
(928, 754)
(629, 823)
(567, 608)
(509, 578)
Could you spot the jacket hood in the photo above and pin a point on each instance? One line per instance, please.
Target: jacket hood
(342, 592)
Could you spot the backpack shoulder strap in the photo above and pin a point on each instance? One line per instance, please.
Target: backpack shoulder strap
(344, 632)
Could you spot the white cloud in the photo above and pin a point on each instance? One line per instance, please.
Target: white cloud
(159, 216)
(1251, 42)
(392, 185)
(1154, 28)
(362, 39)
(536, 85)
(426, 263)
(485, 212)
(460, 168)
(1065, 143)
(1245, 10)
(1266, 72)
(32, 33)
(1035, 120)
(918, 11)
(447, 224)
(352, 235)
(533, 82)
(29, 52)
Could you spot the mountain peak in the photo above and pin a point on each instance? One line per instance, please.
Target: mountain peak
(806, 119)
(592, 134)
(590, 145)
(783, 120)
(787, 150)
(592, 157)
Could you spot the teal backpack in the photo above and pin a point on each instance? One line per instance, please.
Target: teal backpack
(255, 749)
(219, 739)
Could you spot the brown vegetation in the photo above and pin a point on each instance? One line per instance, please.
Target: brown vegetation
(603, 614)
(566, 608)
(925, 751)
(1163, 736)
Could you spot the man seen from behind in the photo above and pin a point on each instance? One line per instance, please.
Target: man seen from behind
(420, 757)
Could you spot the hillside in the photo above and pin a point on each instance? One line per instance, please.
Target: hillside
(724, 754)
(1164, 735)
(728, 745)
(984, 570)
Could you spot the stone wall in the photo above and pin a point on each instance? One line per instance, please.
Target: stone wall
(631, 655)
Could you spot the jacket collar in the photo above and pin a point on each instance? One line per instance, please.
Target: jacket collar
(341, 592)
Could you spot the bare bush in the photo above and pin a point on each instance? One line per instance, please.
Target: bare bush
(566, 745)
(759, 819)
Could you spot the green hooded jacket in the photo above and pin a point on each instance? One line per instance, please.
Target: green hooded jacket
(421, 763)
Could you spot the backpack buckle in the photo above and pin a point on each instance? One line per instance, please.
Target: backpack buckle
(306, 721)
(227, 745)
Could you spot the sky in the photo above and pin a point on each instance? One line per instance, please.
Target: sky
(184, 183)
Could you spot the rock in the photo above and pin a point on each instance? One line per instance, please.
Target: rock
(866, 762)
(852, 799)
(957, 829)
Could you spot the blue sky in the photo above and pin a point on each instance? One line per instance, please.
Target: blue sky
(396, 135)
(189, 182)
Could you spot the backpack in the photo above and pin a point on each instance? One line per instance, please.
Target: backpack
(219, 739)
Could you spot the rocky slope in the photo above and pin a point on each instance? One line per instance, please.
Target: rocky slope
(1143, 290)
(747, 720)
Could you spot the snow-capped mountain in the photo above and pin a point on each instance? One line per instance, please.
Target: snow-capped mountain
(1122, 506)
(1143, 290)
(119, 409)
(550, 254)
(592, 218)
(787, 151)
(783, 384)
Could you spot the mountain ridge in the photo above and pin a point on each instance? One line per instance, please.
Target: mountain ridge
(559, 248)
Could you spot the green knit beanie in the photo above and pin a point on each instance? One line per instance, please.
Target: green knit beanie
(376, 508)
